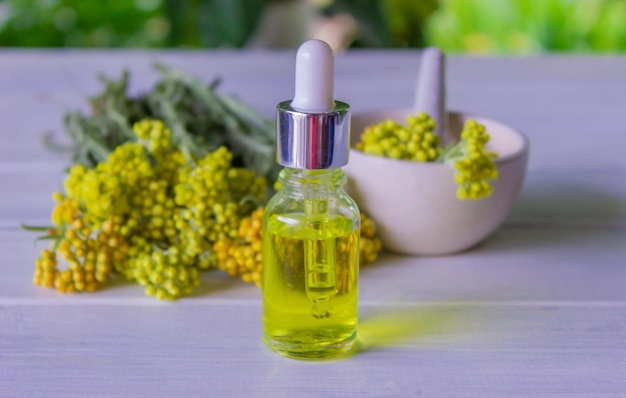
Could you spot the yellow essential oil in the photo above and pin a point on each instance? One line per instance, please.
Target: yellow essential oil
(310, 287)
(311, 226)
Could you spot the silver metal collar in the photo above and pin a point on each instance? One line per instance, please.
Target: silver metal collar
(313, 140)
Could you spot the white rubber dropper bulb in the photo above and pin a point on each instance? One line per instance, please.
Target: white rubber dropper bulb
(314, 78)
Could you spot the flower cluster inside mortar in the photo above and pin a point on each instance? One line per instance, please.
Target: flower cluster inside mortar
(311, 226)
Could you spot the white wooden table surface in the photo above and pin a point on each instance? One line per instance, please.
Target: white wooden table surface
(538, 310)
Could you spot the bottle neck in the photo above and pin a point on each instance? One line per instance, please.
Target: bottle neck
(299, 181)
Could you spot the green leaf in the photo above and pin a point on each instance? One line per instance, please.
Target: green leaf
(228, 22)
(34, 228)
(47, 237)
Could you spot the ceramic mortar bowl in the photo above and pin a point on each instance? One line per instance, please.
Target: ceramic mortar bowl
(415, 204)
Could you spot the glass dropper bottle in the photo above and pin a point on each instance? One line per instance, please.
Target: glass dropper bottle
(311, 226)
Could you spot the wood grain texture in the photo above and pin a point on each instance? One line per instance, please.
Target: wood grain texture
(538, 310)
(452, 350)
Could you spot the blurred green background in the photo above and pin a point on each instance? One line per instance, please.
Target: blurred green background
(470, 26)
